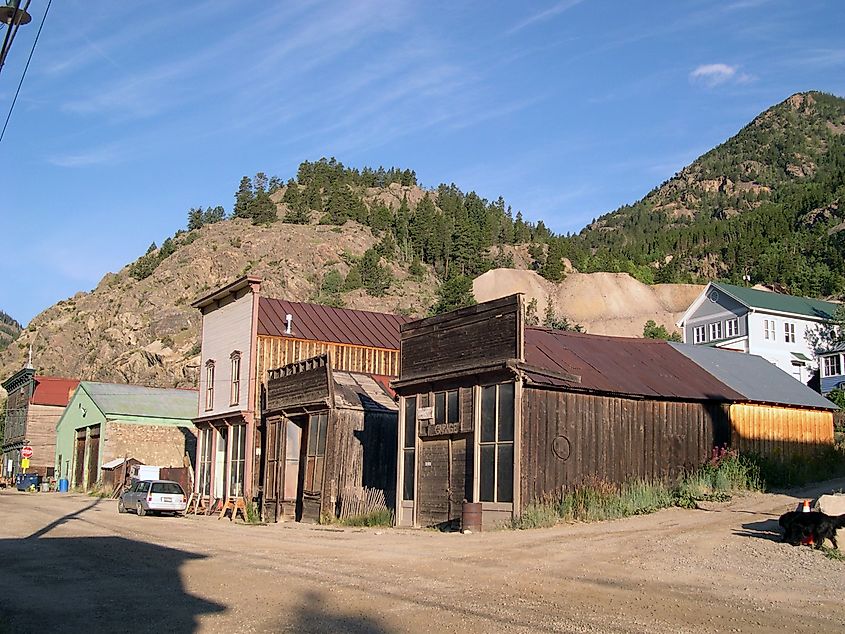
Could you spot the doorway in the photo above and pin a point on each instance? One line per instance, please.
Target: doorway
(220, 458)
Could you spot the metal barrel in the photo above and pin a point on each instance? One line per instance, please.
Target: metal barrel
(471, 516)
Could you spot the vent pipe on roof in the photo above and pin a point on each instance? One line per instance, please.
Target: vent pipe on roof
(289, 319)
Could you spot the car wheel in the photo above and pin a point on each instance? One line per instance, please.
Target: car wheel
(120, 507)
(141, 511)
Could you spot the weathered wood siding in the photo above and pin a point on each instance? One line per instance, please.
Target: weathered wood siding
(300, 389)
(275, 352)
(41, 434)
(360, 452)
(568, 437)
(476, 336)
(226, 329)
(779, 431)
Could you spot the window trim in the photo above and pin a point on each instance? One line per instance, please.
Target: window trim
(715, 330)
(832, 365)
(732, 327)
(209, 384)
(235, 392)
(699, 334)
(789, 331)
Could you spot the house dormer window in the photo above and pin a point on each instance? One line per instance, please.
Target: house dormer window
(236, 378)
(209, 384)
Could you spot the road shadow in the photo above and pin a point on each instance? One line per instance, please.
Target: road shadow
(63, 520)
(765, 529)
(314, 616)
(96, 584)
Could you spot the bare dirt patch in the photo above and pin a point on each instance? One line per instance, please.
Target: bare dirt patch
(73, 563)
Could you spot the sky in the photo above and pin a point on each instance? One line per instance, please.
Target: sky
(130, 113)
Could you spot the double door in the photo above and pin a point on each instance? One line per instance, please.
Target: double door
(445, 480)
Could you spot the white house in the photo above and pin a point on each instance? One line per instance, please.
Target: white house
(771, 325)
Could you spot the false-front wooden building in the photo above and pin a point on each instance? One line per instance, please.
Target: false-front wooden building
(34, 406)
(330, 442)
(244, 335)
(499, 413)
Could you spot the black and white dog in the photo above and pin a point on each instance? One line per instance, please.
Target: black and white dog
(798, 526)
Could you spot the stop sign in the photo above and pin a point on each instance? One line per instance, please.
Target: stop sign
(26, 452)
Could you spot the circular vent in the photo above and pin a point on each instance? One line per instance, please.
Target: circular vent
(713, 296)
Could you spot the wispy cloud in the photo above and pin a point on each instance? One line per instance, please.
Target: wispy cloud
(95, 156)
(545, 14)
(821, 58)
(712, 75)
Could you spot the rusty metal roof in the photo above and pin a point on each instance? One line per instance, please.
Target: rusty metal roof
(53, 390)
(334, 325)
(362, 391)
(620, 365)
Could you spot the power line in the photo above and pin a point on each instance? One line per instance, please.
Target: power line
(29, 59)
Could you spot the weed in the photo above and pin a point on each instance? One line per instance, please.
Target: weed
(253, 516)
(380, 517)
(833, 553)
(796, 470)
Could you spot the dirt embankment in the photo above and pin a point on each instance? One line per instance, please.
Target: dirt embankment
(604, 303)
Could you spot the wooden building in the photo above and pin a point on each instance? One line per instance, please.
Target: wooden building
(244, 335)
(34, 405)
(499, 413)
(330, 444)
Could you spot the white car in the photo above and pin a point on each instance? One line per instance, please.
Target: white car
(153, 496)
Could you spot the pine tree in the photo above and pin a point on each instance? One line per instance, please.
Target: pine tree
(243, 199)
(454, 293)
(195, 218)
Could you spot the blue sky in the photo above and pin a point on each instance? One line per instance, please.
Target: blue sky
(131, 113)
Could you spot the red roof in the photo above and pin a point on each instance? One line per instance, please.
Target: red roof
(621, 365)
(53, 390)
(334, 325)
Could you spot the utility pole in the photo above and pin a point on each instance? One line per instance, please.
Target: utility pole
(13, 17)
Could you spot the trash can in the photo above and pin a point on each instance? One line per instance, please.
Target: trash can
(471, 516)
(45, 486)
(63, 485)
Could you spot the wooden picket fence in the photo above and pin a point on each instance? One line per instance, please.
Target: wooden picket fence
(357, 501)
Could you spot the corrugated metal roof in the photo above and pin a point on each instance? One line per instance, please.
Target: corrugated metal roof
(361, 391)
(620, 365)
(136, 400)
(53, 390)
(334, 325)
(779, 302)
(752, 376)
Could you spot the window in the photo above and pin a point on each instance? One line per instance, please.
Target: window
(789, 332)
(832, 366)
(731, 328)
(167, 488)
(716, 331)
(409, 448)
(209, 385)
(316, 452)
(236, 378)
(236, 471)
(143, 487)
(769, 329)
(496, 443)
(204, 475)
(699, 334)
(446, 407)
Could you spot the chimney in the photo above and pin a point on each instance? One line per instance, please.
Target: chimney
(289, 319)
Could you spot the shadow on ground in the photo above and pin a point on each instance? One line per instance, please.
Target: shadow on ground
(766, 529)
(315, 616)
(95, 584)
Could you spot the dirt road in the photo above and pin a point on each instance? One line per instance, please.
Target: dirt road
(71, 563)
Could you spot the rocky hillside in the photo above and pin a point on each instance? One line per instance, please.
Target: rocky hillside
(768, 203)
(9, 330)
(145, 331)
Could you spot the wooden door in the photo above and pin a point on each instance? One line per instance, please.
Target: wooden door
(93, 456)
(460, 475)
(79, 464)
(434, 487)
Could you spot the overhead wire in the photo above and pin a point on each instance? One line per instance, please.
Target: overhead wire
(28, 60)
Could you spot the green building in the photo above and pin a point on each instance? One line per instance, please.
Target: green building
(108, 421)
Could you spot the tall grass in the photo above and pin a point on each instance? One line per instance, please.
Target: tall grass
(796, 470)
(725, 474)
(379, 517)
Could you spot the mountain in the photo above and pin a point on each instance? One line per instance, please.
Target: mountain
(769, 203)
(9, 330)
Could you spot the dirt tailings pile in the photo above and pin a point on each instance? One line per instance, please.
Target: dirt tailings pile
(604, 303)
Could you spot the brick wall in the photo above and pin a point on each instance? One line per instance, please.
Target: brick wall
(159, 445)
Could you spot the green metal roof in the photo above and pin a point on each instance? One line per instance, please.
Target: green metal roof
(753, 298)
(135, 400)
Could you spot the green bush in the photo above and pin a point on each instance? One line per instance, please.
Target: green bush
(381, 517)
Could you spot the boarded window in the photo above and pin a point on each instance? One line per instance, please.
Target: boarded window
(496, 444)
